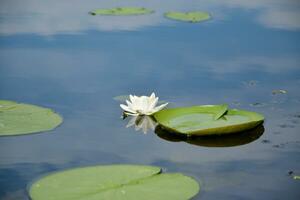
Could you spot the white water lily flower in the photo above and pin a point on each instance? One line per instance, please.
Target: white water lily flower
(142, 122)
(142, 105)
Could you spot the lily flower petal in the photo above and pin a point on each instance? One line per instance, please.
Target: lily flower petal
(131, 114)
(130, 105)
(126, 108)
(142, 105)
(152, 96)
(132, 99)
(153, 103)
(156, 109)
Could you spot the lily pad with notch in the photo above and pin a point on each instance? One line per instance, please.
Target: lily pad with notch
(118, 182)
(193, 17)
(227, 140)
(122, 11)
(19, 119)
(207, 120)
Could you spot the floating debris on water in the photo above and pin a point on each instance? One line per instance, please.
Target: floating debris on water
(251, 83)
(282, 145)
(276, 132)
(275, 92)
(286, 126)
(295, 121)
(257, 104)
(290, 172)
(297, 116)
(236, 103)
(265, 141)
(296, 177)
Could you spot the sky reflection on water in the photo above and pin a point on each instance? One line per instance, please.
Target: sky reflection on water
(75, 63)
(32, 16)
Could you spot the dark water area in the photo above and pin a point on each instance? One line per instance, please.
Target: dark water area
(75, 63)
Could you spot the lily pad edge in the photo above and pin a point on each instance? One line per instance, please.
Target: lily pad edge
(61, 121)
(159, 172)
(253, 123)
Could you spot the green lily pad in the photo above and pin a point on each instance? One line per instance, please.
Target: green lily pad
(188, 16)
(221, 111)
(19, 118)
(122, 11)
(115, 182)
(202, 120)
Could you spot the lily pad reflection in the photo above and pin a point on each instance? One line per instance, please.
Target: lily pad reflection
(229, 140)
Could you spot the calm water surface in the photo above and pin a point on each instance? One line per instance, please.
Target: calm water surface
(53, 54)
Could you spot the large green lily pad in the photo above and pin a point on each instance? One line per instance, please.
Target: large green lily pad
(19, 118)
(188, 16)
(115, 182)
(207, 120)
(122, 11)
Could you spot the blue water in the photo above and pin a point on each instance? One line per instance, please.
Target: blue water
(53, 54)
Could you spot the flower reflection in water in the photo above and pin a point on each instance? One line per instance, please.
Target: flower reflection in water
(143, 123)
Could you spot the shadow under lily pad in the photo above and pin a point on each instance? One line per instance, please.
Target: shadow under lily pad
(229, 140)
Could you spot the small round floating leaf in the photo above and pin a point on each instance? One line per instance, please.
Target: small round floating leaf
(118, 182)
(122, 11)
(201, 120)
(19, 118)
(188, 16)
